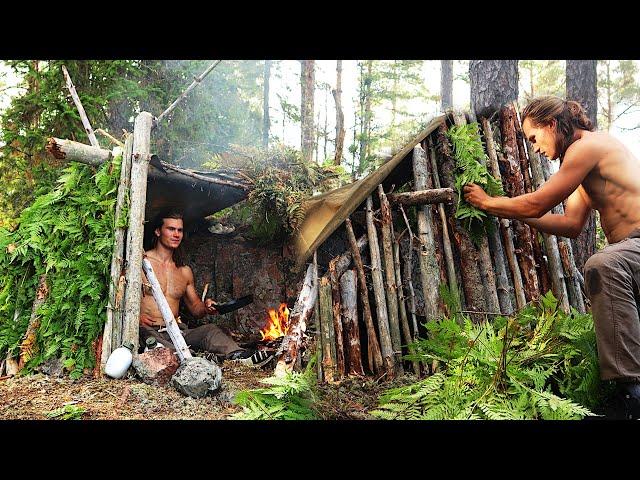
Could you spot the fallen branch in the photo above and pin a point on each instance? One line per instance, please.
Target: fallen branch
(83, 115)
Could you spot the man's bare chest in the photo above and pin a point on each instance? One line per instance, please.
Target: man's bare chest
(171, 281)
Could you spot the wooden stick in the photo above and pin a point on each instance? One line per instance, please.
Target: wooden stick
(373, 348)
(110, 137)
(337, 317)
(204, 292)
(505, 226)
(113, 327)
(318, 324)
(328, 344)
(83, 115)
(182, 350)
(72, 151)
(422, 197)
(382, 314)
(408, 274)
(138, 198)
(349, 297)
(194, 84)
(205, 178)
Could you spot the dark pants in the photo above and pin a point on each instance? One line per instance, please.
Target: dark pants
(207, 337)
(612, 278)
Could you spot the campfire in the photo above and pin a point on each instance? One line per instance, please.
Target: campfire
(277, 325)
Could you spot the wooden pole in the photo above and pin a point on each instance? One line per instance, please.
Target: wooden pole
(318, 324)
(349, 297)
(138, 193)
(404, 321)
(505, 226)
(373, 348)
(110, 137)
(422, 197)
(113, 326)
(83, 115)
(382, 314)
(337, 317)
(328, 344)
(72, 151)
(167, 315)
(408, 274)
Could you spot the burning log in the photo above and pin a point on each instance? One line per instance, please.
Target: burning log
(505, 226)
(328, 343)
(302, 310)
(386, 345)
(349, 296)
(374, 356)
(422, 197)
(337, 316)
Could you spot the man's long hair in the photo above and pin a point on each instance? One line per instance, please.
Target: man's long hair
(158, 221)
(568, 114)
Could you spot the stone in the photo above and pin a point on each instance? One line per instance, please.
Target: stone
(156, 366)
(197, 377)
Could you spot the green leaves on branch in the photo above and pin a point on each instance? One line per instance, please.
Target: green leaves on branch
(471, 160)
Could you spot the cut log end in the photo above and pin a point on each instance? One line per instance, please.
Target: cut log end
(54, 148)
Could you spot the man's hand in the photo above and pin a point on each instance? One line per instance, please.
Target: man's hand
(475, 195)
(209, 305)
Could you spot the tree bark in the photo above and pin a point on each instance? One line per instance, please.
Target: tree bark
(28, 346)
(266, 121)
(375, 357)
(349, 296)
(493, 83)
(582, 81)
(337, 320)
(326, 315)
(307, 79)
(446, 84)
(340, 132)
(422, 197)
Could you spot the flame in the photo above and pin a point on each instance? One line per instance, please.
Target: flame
(277, 324)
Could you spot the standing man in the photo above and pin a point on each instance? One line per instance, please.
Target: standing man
(177, 282)
(596, 172)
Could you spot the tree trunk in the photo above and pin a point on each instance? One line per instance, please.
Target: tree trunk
(337, 95)
(582, 84)
(337, 316)
(307, 81)
(446, 84)
(266, 121)
(349, 296)
(493, 83)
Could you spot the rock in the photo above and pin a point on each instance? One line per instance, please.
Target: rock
(157, 366)
(52, 367)
(197, 377)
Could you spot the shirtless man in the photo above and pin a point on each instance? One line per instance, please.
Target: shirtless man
(176, 281)
(596, 172)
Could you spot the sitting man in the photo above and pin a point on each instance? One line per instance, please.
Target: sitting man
(176, 281)
(597, 172)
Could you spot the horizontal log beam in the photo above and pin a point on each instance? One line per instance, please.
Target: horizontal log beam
(77, 152)
(422, 197)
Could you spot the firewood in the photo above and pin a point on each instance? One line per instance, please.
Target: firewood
(374, 356)
(349, 297)
(337, 316)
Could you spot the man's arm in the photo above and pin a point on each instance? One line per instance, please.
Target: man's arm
(197, 307)
(571, 223)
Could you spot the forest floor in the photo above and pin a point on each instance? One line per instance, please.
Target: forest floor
(35, 397)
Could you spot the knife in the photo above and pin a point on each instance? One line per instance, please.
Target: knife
(233, 305)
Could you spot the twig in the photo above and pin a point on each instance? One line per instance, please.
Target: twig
(110, 137)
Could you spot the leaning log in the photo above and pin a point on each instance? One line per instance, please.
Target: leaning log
(28, 346)
(302, 310)
(71, 151)
(326, 316)
(408, 274)
(422, 197)
(344, 260)
(334, 278)
(404, 321)
(349, 297)
(374, 356)
(83, 115)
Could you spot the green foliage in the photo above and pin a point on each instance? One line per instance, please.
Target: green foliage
(618, 92)
(67, 233)
(471, 167)
(540, 364)
(289, 398)
(68, 412)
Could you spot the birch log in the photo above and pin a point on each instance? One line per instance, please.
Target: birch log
(429, 268)
(326, 315)
(422, 197)
(300, 314)
(386, 345)
(113, 327)
(139, 169)
(373, 347)
(504, 224)
(349, 301)
(386, 228)
(182, 350)
(337, 316)
(83, 115)
(72, 151)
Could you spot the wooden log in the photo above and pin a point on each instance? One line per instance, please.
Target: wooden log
(72, 151)
(334, 278)
(422, 197)
(111, 138)
(349, 303)
(138, 197)
(429, 268)
(28, 346)
(408, 269)
(550, 241)
(446, 240)
(343, 262)
(382, 315)
(485, 265)
(391, 288)
(504, 224)
(318, 323)
(514, 186)
(469, 259)
(302, 310)
(83, 115)
(373, 348)
(167, 315)
(328, 336)
(112, 334)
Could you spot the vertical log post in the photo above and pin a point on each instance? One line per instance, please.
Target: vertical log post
(349, 297)
(408, 274)
(386, 227)
(318, 323)
(386, 345)
(326, 315)
(139, 169)
(374, 356)
(337, 317)
(112, 336)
